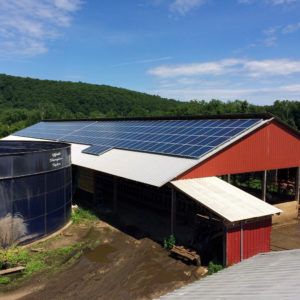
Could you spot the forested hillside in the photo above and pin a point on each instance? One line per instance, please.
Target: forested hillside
(25, 101)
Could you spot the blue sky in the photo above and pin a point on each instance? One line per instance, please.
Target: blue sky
(181, 49)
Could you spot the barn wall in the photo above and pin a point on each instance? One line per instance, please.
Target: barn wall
(256, 239)
(233, 245)
(271, 147)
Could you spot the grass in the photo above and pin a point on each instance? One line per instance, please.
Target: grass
(38, 261)
(4, 280)
(81, 215)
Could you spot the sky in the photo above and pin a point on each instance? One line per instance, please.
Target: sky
(179, 49)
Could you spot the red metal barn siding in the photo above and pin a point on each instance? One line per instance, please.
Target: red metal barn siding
(233, 245)
(270, 147)
(256, 237)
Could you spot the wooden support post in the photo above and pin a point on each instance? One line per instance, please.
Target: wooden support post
(173, 211)
(297, 185)
(115, 196)
(228, 178)
(264, 185)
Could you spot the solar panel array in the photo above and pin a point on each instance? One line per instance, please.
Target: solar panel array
(186, 138)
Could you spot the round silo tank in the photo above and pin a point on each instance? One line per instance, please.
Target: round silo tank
(35, 190)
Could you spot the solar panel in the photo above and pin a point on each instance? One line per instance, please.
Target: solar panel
(185, 138)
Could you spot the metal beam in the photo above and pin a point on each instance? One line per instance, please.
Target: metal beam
(173, 211)
(264, 185)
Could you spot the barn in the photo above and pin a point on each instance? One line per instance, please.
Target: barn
(171, 170)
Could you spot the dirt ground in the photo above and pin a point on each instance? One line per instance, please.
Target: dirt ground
(127, 265)
(286, 237)
(120, 267)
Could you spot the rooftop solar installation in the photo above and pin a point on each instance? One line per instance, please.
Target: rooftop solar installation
(186, 138)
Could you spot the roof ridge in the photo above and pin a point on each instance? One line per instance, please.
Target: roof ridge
(188, 117)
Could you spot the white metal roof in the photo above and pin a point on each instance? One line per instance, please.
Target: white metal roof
(224, 199)
(273, 275)
(149, 168)
(143, 167)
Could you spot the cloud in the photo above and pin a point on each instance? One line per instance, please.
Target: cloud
(261, 96)
(184, 6)
(27, 25)
(258, 81)
(273, 2)
(212, 68)
(277, 2)
(143, 61)
(237, 67)
(270, 41)
(291, 28)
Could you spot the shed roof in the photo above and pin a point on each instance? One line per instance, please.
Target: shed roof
(224, 199)
(273, 275)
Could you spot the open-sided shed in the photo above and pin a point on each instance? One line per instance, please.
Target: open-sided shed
(246, 219)
(179, 153)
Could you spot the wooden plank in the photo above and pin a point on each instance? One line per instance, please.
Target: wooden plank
(12, 270)
(37, 250)
(186, 253)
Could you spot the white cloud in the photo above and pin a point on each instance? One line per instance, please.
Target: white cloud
(184, 6)
(211, 68)
(143, 61)
(258, 81)
(237, 67)
(261, 96)
(27, 25)
(269, 67)
(274, 2)
(270, 41)
(290, 28)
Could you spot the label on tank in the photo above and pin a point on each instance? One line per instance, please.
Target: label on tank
(56, 159)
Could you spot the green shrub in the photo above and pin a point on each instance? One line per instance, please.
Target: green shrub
(169, 242)
(214, 268)
(4, 280)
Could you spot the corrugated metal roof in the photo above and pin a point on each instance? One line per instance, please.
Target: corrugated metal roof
(273, 275)
(143, 167)
(224, 199)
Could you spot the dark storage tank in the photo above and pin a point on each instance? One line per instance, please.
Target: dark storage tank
(35, 189)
